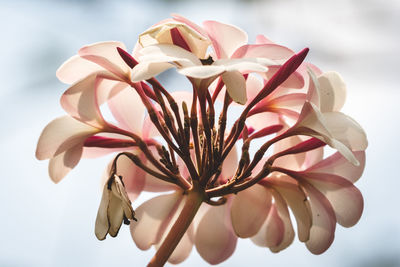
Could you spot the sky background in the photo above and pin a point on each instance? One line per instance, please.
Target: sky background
(43, 224)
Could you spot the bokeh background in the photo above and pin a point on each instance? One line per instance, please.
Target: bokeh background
(43, 224)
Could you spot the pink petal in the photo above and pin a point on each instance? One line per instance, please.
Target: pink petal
(230, 164)
(345, 198)
(290, 190)
(215, 240)
(127, 108)
(270, 51)
(81, 100)
(225, 38)
(60, 135)
(271, 232)
(262, 120)
(153, 217)
(261, 39)
(63, 163)
(147, 70)
(249, 210)
(338, 165)
(236, 86)
(75, 69)
(324, 221)
(283, 212)
(106, 55)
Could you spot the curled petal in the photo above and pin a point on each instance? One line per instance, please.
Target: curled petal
(202, 72)
(249, 210)
(215, 240)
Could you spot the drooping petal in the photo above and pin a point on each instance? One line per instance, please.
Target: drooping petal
(153, 217)
(60, 135)
(102, 225)
(215, 240)
(106, 55)
(249, 210)
(63, 163)
(75, 69)
(338, 165)
(332, 91)
(225, 38)
(236, 86)
(345, 198)
(323, 221)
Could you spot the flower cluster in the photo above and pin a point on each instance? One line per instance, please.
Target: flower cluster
(182, 141)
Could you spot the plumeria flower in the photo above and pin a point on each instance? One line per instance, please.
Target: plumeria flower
(214, 188)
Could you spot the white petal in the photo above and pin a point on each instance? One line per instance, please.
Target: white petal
(331, 85)
(236, 86)
(147, 70)
(202, 72)
(75, 69)
(169, 50)
(63, 163)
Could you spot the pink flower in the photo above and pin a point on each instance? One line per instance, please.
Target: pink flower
(181, 144)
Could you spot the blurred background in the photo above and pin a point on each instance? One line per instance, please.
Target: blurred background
(43, 224)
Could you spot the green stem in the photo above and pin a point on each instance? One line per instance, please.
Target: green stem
(193, 202)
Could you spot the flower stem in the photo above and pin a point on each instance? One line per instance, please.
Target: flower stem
(193, 202)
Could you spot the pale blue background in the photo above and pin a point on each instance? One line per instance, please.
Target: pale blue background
(42, 224)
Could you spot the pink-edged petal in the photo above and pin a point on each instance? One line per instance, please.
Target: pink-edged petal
(283, 212)
(323, 227)
(215, 239)
(346, 130)
(245, 65)
(225, 38)
(62, 134)
(106, 55)
(202, 72)
(345, 198)
(295, 80)
(292, 162)
(191, 24)
(290, 190)
(63, 163)
(153, 217)
(127, 108)
(236, 86)
(338, 165)
(253, 86)
(75, 69)
(249, 210)
(270, 51)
